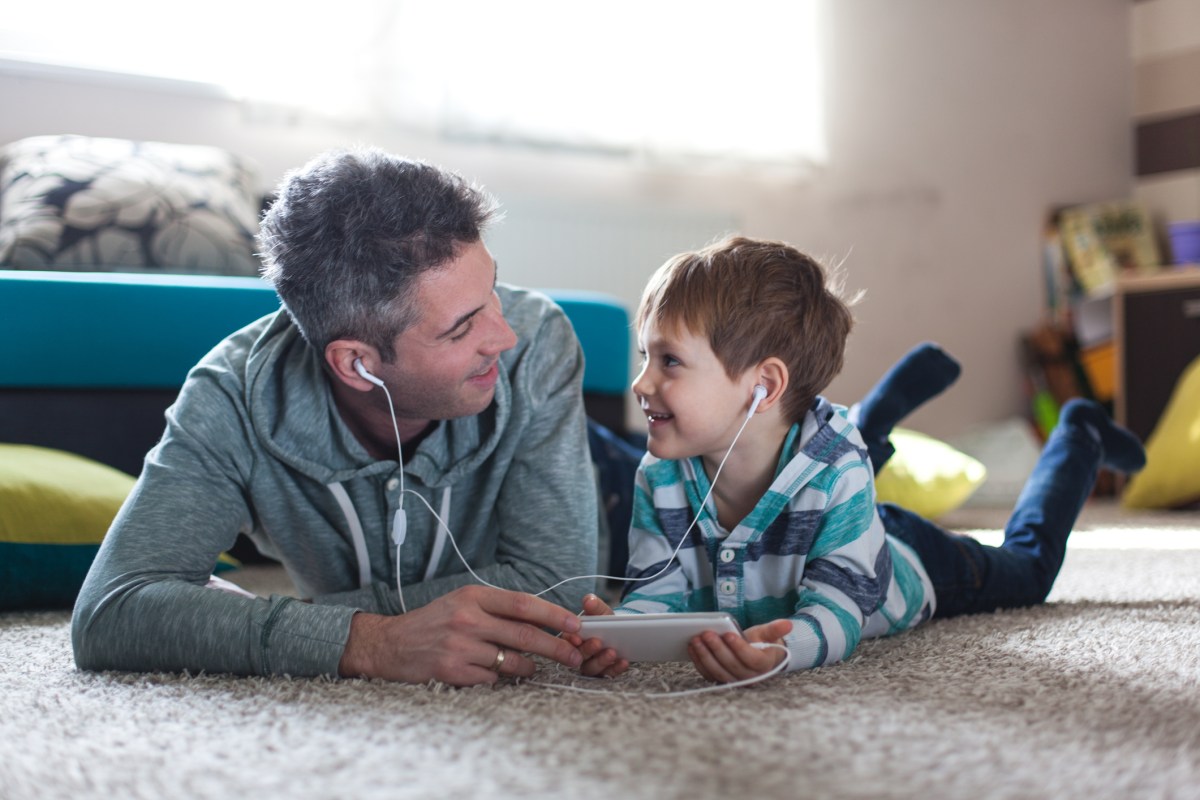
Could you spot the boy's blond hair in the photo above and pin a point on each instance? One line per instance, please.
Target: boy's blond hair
(754, 299)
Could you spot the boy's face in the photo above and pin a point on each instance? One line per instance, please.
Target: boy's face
(692, 407)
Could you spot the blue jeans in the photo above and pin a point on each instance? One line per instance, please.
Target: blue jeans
(969, 577)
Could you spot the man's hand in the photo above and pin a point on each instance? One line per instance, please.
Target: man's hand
(598, 660)
(731, 658)
(456, 639)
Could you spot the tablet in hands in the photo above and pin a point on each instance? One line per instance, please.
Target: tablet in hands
(655, 637)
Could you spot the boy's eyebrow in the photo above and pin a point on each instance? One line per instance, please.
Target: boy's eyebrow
(458, 323)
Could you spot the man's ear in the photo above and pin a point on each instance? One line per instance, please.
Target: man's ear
(340, 356)
(772, 374)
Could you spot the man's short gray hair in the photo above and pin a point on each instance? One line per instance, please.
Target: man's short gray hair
(350, 233)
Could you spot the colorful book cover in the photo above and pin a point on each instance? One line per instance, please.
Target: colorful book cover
(1127, 233)
(1094, 268)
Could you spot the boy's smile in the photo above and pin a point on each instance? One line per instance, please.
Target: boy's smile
(692, 406)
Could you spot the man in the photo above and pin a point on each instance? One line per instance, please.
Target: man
(398, 375)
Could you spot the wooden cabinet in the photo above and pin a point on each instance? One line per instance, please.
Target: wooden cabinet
(1157, 331)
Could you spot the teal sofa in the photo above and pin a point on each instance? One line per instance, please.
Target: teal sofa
(89, 360)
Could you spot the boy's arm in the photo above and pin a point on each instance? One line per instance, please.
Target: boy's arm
(650, 550)
(846, 573)
(658, 583)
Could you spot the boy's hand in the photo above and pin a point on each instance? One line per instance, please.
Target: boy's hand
(598, 660)
(729, 658)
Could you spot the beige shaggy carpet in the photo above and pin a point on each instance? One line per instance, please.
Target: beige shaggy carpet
(1094, 695)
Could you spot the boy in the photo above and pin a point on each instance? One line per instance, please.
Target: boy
(791, 541)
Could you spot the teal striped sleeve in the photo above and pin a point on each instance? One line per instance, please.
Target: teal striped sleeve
(841, 584)
(649, 551)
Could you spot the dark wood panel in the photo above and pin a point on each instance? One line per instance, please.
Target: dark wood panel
(1168, 145)
(1162, 337)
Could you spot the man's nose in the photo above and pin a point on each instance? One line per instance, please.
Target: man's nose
(501, 336)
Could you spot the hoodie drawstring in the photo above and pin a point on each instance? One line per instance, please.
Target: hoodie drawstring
(360, 541)
(439, 543)
(356, 533)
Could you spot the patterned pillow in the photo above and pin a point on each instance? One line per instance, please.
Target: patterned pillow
(81, 203)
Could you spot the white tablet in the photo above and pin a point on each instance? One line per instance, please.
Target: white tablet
(655, 637)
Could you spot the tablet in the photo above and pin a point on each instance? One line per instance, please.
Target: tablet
(655, 637)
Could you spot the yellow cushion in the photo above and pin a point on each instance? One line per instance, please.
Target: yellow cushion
(1172, 473)
(52, 497)
(927, 476)
(55, 508)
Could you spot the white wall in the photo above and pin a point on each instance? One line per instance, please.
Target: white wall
(953, 127)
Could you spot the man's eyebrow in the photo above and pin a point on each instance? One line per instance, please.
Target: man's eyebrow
(458, 323)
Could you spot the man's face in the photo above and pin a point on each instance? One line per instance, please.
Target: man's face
(447, 363)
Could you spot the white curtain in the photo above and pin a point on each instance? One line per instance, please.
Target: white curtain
(657, 78)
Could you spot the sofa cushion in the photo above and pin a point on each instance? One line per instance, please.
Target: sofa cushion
(83, 203)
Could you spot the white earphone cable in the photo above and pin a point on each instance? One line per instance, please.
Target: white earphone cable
(400, 520)
(400, 529)
(721, 687)
(666, 566)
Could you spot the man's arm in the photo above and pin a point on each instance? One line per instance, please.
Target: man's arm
(144, 605)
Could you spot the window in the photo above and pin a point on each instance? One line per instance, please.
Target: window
(666, 79)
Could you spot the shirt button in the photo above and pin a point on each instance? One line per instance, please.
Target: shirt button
(728, 587)
(727, 555)
(392, 484)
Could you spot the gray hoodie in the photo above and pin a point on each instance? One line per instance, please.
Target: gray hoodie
(255, 444)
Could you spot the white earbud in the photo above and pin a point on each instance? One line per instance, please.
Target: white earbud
(760, 392)
(361, 370)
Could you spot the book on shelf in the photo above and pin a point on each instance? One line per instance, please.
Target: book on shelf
(1128, 235)
(1102, 241)
(1092, 266)
(1061, 289)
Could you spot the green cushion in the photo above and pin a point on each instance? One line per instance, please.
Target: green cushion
(1171, 476)
(927, 476)
(55, 509)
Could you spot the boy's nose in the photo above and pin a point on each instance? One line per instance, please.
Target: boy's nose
(641, 387)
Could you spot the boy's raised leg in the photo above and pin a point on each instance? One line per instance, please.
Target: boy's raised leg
(920, 374)
(1084, 440)
(971, 577)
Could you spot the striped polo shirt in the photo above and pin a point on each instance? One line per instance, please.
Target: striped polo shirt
(813, 550)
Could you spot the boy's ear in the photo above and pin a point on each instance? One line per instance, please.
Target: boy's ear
(340, 356)
(772, 374)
